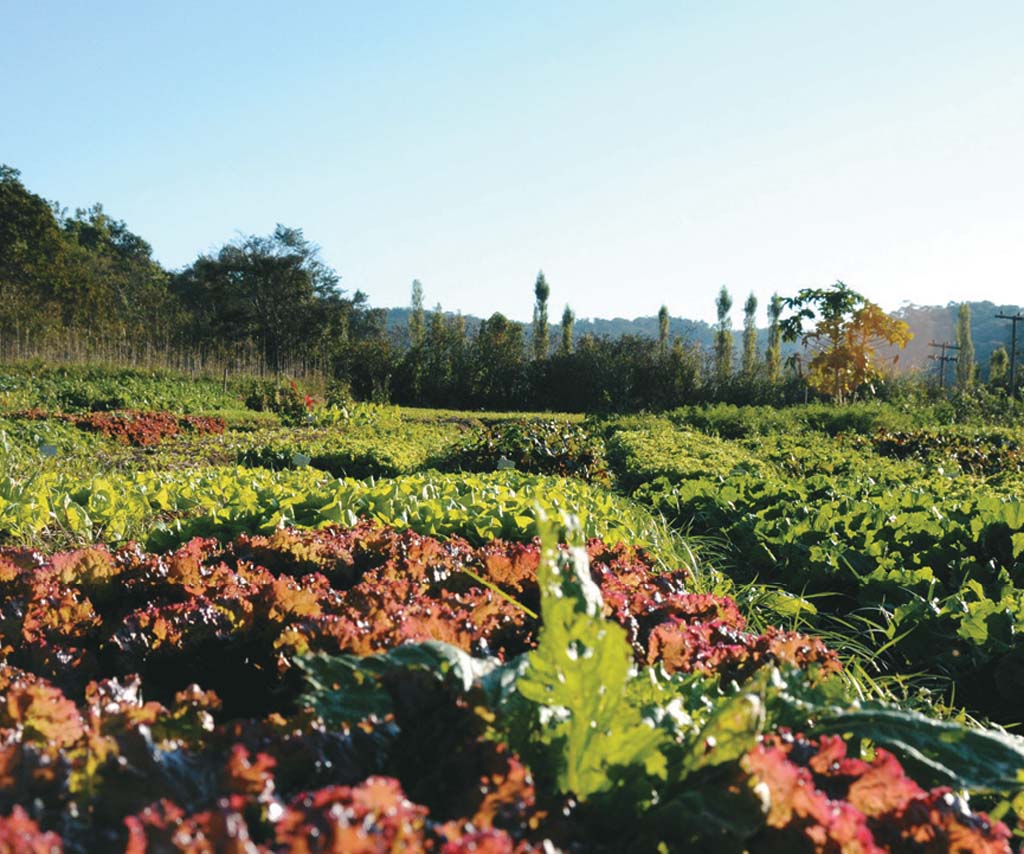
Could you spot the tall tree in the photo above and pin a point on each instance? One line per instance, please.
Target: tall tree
(541, 292)
(750, 337)
(848, 328)
(33, 263)
(437, 325)
(723, 336)
(437, 378)
(417, 320)
(965, 366)
(999, 367)
(568, 321)
(663, 320)
(773, 355)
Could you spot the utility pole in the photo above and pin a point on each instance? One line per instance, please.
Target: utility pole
(942, 359)
(1015, 319)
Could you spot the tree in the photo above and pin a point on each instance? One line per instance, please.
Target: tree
(437, 382)
(498, 362)
(83, 280)
(568, 321)
(848, 329)
(965, 366)
(417, 322)
(33, 262)
(723, 337)
(541, 292)
(999, 367)
(415, 372)
(663, 321)
(749, 337)
(773, 355)
(275, 291)
(116, 287)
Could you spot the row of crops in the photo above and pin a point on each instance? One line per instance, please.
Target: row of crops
(367, 629)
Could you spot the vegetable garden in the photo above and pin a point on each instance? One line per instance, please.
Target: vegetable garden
(319, 626)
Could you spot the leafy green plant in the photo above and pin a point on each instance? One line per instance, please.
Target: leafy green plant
(539, 446)
(577, 681)
(673, 763)
(285, 400)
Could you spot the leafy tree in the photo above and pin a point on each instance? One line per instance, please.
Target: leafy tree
(568, 321)
(368, 366)
(684, 374)
(33, 262)
(84, 280)
(436, 329)
(541, 292)
(663, 321)
(417, 323)
(965, 365)
(749, 337)
(459, 325)
(773, 355)
(498, 362)
(848, 329)
(999, 368)
(723, 337)
(275, 291)
(116, 286)
(440, 362)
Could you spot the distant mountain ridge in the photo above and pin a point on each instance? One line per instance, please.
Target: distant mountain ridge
(930, 323)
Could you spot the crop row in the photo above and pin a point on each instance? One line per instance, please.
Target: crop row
(931, 560)
(366, 689)
(166, 508)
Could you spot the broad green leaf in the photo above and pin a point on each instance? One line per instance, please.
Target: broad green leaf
(347, 688)
(577, 678)
(981, 760)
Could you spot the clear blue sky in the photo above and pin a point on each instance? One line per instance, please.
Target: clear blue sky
(640, 153)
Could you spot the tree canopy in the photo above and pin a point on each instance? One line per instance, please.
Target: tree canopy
(273, 290)
(848, 330)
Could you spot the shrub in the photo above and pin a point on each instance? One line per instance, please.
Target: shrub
(535, 446)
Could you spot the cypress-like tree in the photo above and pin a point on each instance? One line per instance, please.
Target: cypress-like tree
(750, 337)
(436, 332)
(773, 355)
(998, 367)
(723, 337)
(417, 320)
(663, 320)
(568, 321)
(541, 291)
(965, 366)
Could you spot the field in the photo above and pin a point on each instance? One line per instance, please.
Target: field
(240, 617)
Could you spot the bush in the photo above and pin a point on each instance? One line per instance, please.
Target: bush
(285, 400)
(536, 446)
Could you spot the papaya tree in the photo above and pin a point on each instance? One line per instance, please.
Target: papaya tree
(848, 330)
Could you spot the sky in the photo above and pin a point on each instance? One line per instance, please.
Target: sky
(639, 153)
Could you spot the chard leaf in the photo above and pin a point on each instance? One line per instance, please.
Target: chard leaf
(348, 688)
(577, 681)
(939, 752)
